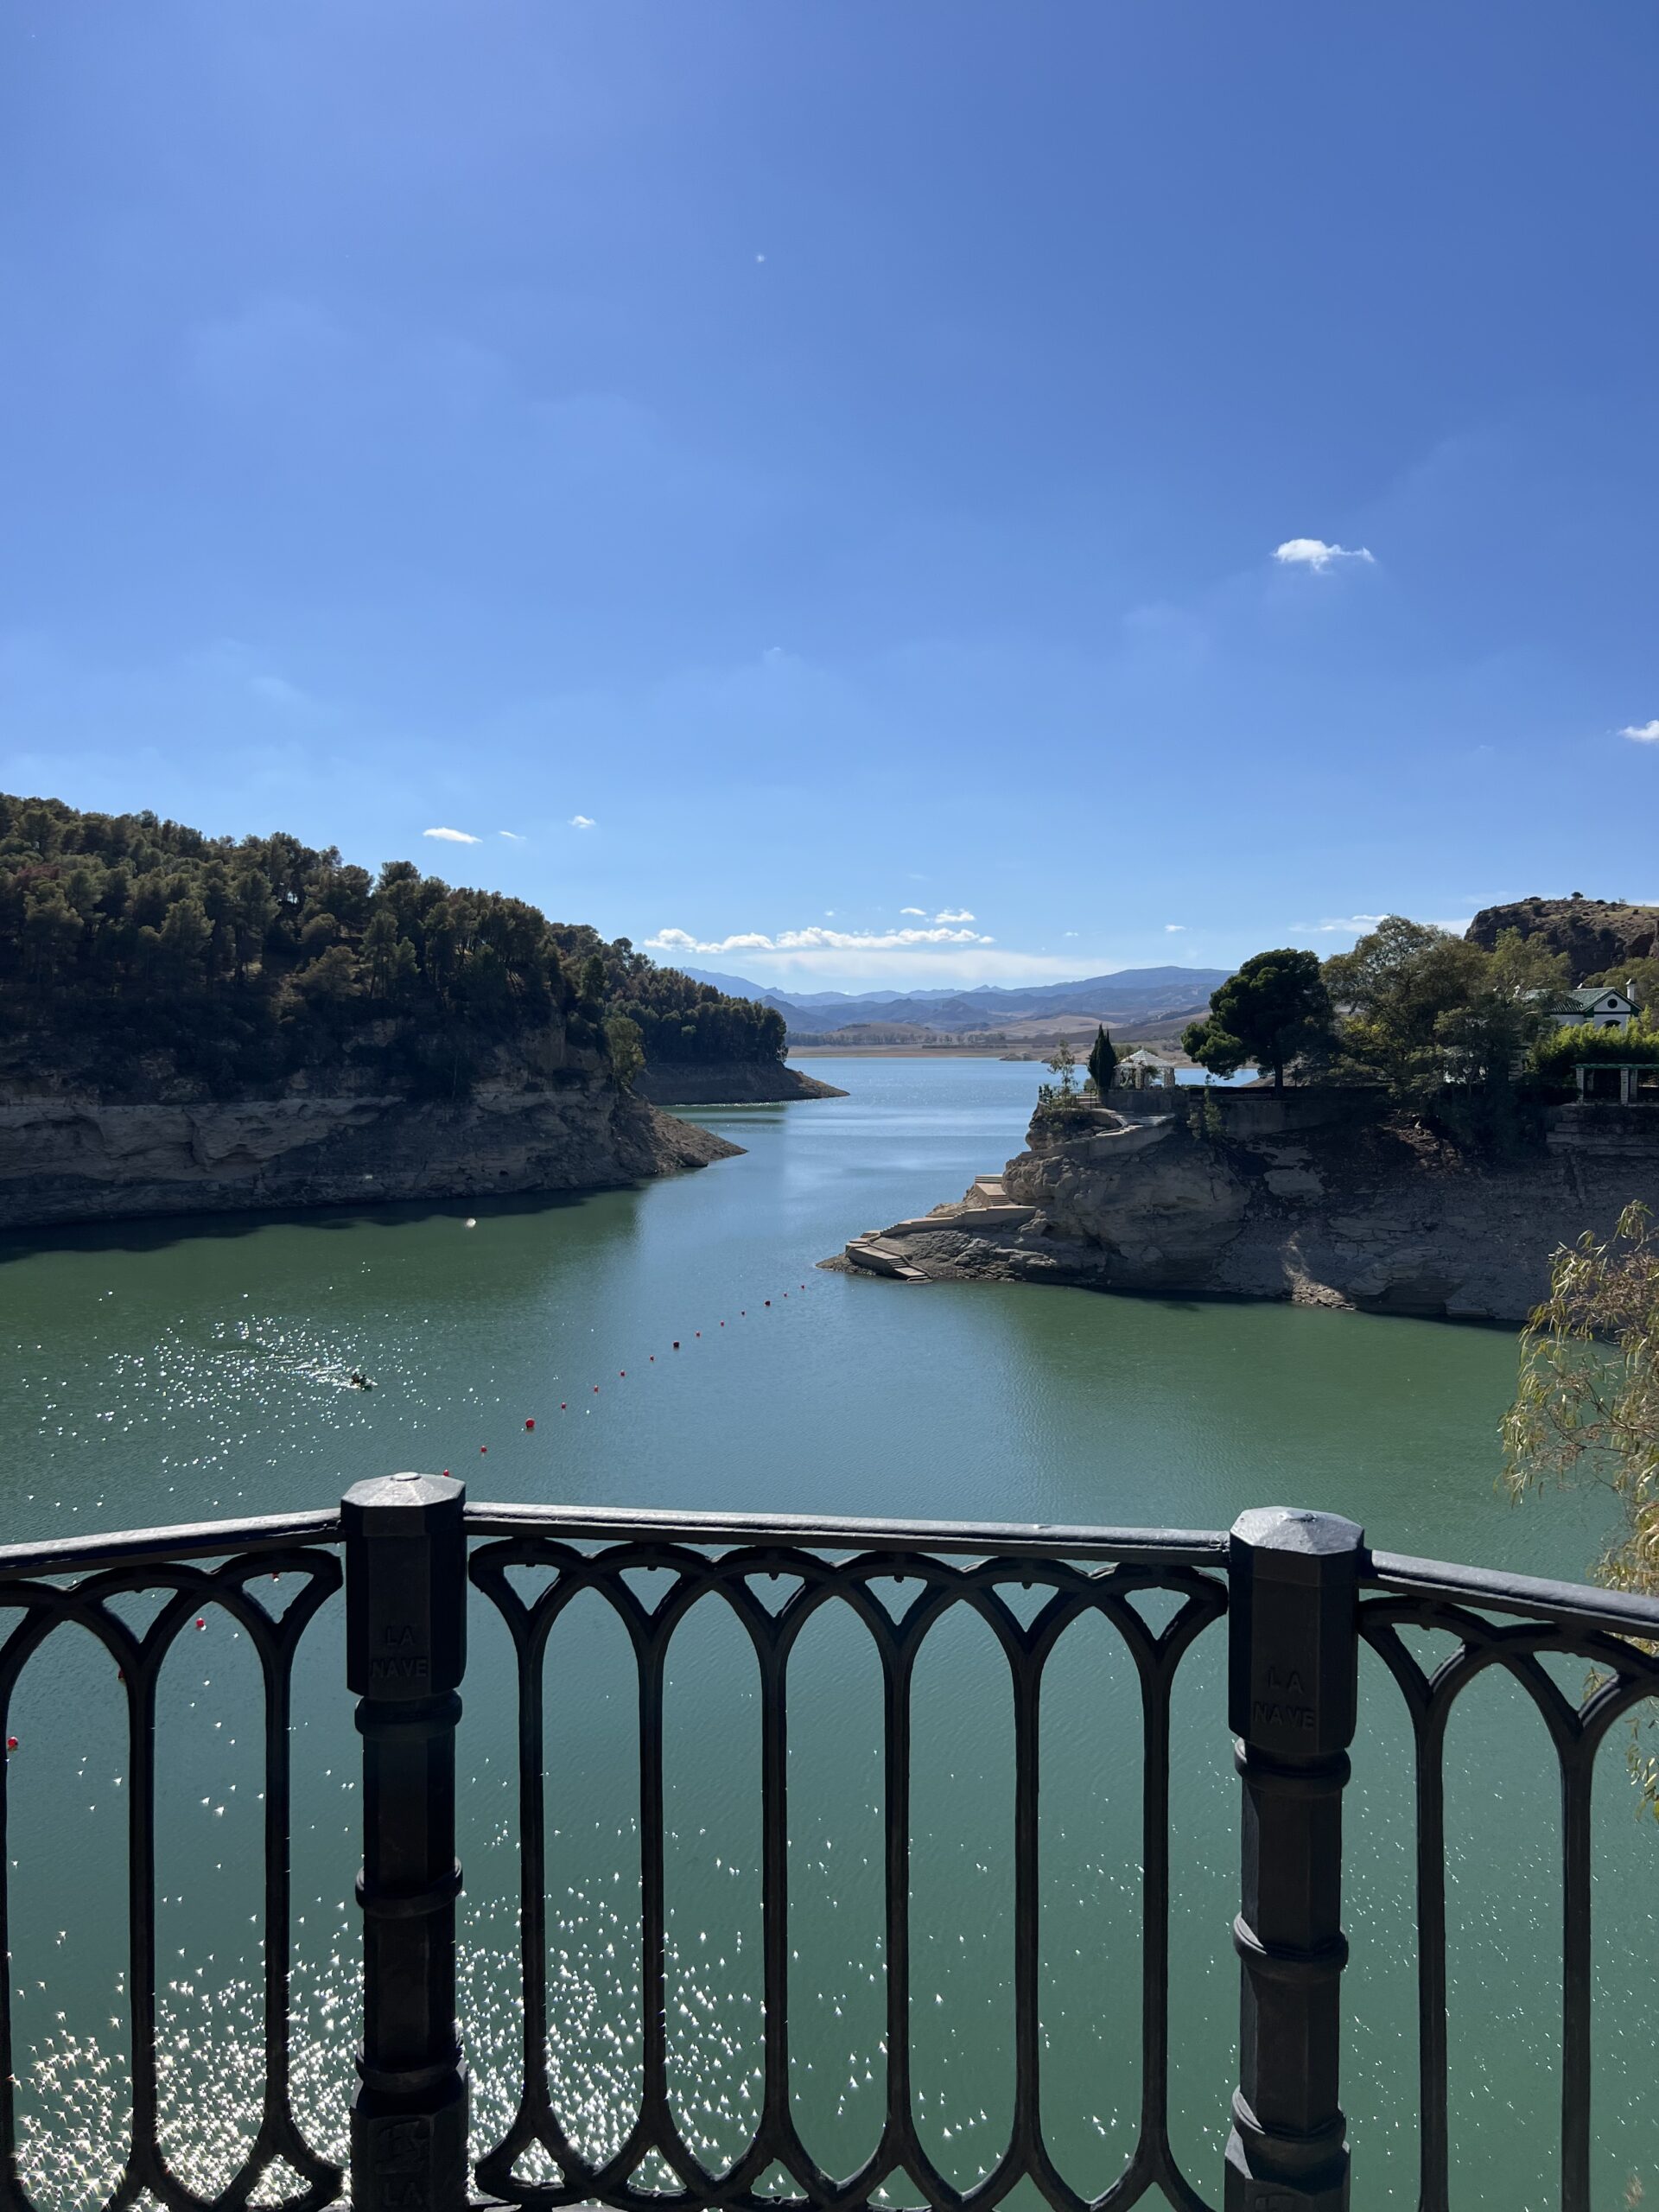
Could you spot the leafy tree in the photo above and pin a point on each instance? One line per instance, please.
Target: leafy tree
(1639, 977)
(1213, 1047)
(1587, 1407)
(1103, 1060)
(627, 1049)
(1396, 987)
(593, 981)
(1063, 1066)
(1274, 1010)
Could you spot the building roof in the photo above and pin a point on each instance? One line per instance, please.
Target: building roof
(1589, 994)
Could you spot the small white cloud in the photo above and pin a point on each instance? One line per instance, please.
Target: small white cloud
(453, 836)
(582, 822)
(1171, 927)
(1313, 553)
(1642, 733)
(1349, 925)
(920, 913)
(954, 914)
(512, 834)
(1068, 932)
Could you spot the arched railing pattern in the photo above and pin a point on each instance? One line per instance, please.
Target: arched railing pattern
(1619, 1675)
(899, 1632)
(137, 1656)
(1300, 1594)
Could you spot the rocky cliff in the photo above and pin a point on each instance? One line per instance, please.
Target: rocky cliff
(64, 1159)
(1595, 934)
(729, 1083)
(1314, 1198)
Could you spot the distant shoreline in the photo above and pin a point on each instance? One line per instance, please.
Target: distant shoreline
(1035, 1056)
(898, 1053)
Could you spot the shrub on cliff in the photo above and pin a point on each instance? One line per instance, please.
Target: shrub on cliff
(1588, 1410)
(1559, 1050)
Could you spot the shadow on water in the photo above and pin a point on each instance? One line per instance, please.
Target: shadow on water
(159, 1233)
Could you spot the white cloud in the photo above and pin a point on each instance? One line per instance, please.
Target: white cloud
(813, 940)
(514, 834)
(920, 913)
(1171, 927)
(453, 836)
(954, 914)
(1644, 732)
(582, 822)
(1313, 553)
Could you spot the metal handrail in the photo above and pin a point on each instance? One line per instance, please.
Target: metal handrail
(838, 1533)
(1302, 1594)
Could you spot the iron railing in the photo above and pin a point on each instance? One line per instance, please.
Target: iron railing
(1301, 1591)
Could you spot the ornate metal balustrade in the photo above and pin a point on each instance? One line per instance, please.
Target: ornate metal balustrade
(1300, 1592)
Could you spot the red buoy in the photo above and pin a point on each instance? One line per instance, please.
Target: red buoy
(483, 1447)
(677, 1343)
(696, 1332)
(11, 1743)
(199, 1622)
(768, 1301)
(622, 1374)
(529, 1424)
(563, 1406)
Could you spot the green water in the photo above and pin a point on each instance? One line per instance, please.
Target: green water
(166, 1372)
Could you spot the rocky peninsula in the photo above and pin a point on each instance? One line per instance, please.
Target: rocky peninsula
(1316, 1196)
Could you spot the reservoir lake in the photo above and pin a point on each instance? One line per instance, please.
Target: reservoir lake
(166, 1371)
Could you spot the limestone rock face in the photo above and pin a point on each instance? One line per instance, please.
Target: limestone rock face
(1595, 934)
(63, 1160)
(1311, 1199)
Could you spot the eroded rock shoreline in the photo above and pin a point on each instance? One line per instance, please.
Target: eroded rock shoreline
(65, 1161)
(1314, 1198)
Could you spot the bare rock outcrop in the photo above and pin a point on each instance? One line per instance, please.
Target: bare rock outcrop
(64, 1159)
(1315, 1198)
(1595, 934)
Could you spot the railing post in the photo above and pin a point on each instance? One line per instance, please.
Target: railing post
(406, 1651)
(1292, 1673)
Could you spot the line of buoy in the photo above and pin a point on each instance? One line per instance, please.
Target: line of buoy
(622, 1376)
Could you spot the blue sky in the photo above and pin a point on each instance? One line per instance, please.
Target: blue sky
(795, 469)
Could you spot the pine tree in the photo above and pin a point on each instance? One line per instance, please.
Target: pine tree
(1103, 1061)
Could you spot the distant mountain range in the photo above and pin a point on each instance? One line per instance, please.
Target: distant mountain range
(1132, 995)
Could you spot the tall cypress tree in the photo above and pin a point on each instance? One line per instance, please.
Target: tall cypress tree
(1103, 1061)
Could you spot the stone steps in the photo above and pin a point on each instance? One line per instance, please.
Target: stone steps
(876, 1257)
